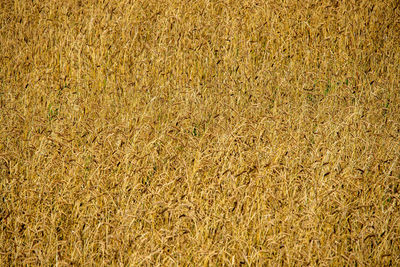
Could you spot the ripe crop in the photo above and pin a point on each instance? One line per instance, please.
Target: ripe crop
(200, 132)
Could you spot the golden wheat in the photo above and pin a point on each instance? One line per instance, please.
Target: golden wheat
(200, 132)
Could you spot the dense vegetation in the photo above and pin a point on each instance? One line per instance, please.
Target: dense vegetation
(200, 132)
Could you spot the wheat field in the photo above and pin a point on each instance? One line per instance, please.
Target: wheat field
(200, 133)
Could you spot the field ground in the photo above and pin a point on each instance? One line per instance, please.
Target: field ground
(204, 132)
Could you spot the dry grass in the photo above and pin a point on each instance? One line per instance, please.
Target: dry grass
(200, 132)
